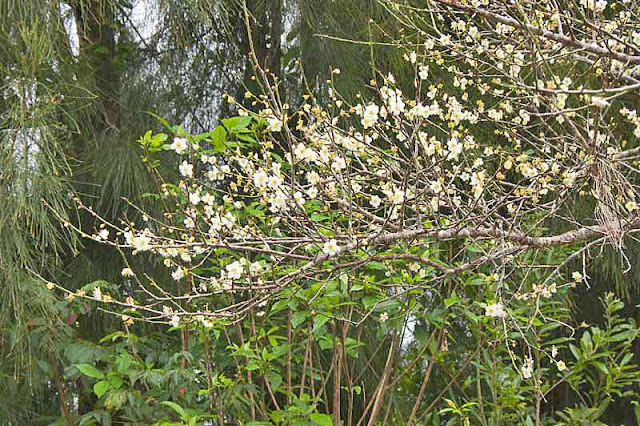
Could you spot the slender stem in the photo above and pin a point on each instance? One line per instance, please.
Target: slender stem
(337, 375)
(289, 357)
(56, 378)
(427, 375)
(382, 386)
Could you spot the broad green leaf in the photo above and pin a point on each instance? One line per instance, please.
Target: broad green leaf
(116, 382)
(252, 366)
(275, 380)
(234, 124)
(299, 317)
(157, 139)
(321, 419)
(379, 266)
(90, 370)
(319, 321)
(101, 387)
(454, 299)
(45, 367)
(175, 407)
(369, 301)
(219, 138)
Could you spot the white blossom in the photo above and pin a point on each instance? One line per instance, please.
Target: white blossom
(370, 115)
(274, 124)
(97, 293)
(180, 145)
(178, 274)
(234, 270)
(495, 310)
(527, 368)
(186, 169)
(127, 272)
(331, 247)
(175, 321)
(424, 72)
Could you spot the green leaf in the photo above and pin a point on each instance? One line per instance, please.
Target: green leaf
(575, 352)
(473, 248)
(600, 366)
(83, 353)
(586, 342)
(45, 367)
(625, 335)
(144, 140)
(175, 407)
(319, 321)
(235, 124)
(160, 119)
(246, 138)
(219, 138)
(321, 419)
(379, 266)
(156, 140)
(201, 136)
(116, 382)
(90, 370)
(369, 301)
(101, 388)
(452, 300)
(275, 380)
(299, 317)
(319, 217)
(279, 305)
(253, 365)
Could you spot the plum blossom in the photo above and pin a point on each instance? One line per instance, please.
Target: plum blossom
(424, 72)
(97, 293)
(274, 124)
(180, 145)
(370, 115)
(234, 270)
(527, 368)
(260, 178)
(495, 310)
(186, 169)
(178, 274)
(141, 242)
(127, 272)
(331, 247)
(175, 321)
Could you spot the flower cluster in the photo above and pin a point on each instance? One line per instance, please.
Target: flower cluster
(474, 150)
